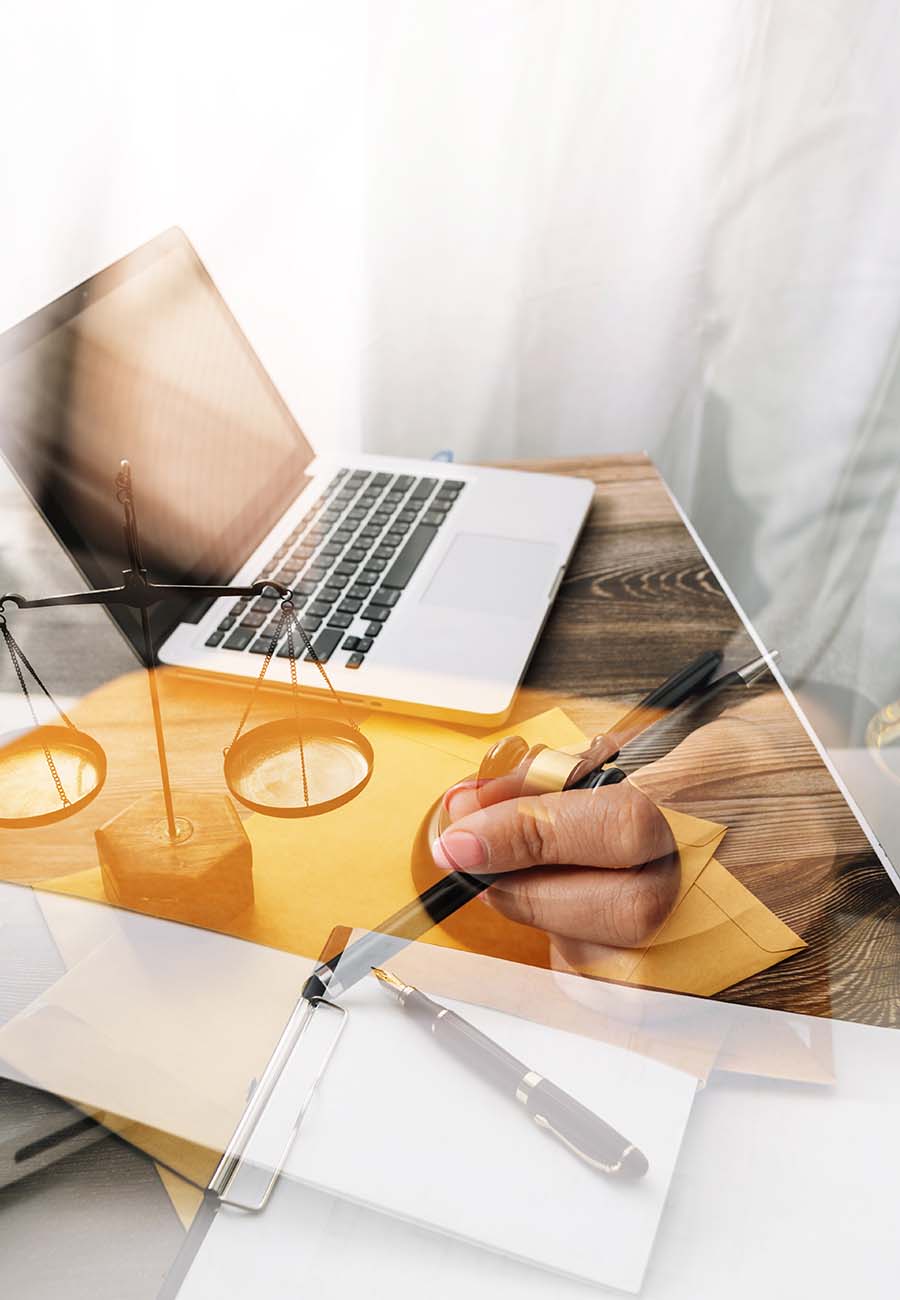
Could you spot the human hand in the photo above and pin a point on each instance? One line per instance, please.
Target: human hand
(592, 866)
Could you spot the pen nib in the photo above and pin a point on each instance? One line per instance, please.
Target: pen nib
(386, 977)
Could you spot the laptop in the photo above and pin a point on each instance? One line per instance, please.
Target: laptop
(423, 585)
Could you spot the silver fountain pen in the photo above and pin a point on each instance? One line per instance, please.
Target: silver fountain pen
(579, 1129)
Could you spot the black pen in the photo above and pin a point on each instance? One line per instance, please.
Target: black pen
(584, 1133)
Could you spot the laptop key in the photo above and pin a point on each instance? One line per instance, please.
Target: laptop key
(239, 639)
(356, 661)
(372, 630)
(385, 551)
(363, 644)
(360, 588)
(409, 559)
(372, 569)
(264, 605)
(404, 481)
(406, 517)
(345, 570)
(433, 517)
(215, 637)
(349, 606)
(309, 625)
(261, 645)
(386, 597)
(354, 556)
(377, 613)
(438, 504)
(253, 619)
(341, 621)
(381, 480)
(423, 488)
(227, 622)
(325, 644)
(306, 587)
(350, 643)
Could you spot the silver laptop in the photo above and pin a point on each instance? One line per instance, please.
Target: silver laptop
(423, 585)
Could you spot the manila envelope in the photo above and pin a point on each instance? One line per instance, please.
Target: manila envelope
(717, 935)
(355, 867)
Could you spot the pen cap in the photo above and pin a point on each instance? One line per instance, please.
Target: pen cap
(541, 770)
(536, 769)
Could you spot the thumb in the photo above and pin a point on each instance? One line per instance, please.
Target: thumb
(614, 826)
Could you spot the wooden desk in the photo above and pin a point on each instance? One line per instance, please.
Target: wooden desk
(638, 601)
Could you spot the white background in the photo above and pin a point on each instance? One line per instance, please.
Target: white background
(525, 227)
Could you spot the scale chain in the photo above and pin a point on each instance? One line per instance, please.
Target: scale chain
(15, 653)
(321, 667)
(276, 637)
(292, 659)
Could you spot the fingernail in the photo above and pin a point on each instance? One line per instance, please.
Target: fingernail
(454, 798)
(459, 851)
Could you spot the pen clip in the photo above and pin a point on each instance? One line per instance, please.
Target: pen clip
(543, 1122)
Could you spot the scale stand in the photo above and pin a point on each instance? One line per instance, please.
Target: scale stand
(189, 864)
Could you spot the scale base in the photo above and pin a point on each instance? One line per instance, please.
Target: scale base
(203, 877)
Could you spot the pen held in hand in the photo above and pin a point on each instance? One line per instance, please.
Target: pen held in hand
(457, 888)
(585, 1134)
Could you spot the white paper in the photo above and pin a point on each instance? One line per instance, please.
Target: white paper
(401, 1125)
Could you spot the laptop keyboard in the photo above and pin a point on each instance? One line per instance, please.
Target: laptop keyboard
(348, 562)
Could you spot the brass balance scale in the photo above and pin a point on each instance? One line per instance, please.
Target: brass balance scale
(192, 862)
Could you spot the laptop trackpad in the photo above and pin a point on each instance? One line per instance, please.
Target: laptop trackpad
(494, 575)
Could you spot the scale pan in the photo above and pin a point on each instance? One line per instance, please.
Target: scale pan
(263, 769)
(28, 793)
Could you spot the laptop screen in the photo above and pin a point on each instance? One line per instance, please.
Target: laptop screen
(144, 362)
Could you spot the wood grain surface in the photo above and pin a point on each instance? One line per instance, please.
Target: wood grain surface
(638, 602)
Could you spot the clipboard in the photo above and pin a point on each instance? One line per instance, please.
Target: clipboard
(191, 1089)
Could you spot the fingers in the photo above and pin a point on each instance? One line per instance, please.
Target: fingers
(467, 797)
(622, 909)
(616, 826)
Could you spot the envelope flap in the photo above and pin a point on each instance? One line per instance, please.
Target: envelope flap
(694, 831)
(766, 929)
(553, 727)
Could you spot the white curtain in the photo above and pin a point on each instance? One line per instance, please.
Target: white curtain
(595, 226)
(524, 228)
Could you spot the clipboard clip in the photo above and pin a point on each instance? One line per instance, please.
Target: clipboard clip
(246, 1175)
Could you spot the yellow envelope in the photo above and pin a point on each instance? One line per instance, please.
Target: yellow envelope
(359, 864)
(185, 1197)
(718, 934)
